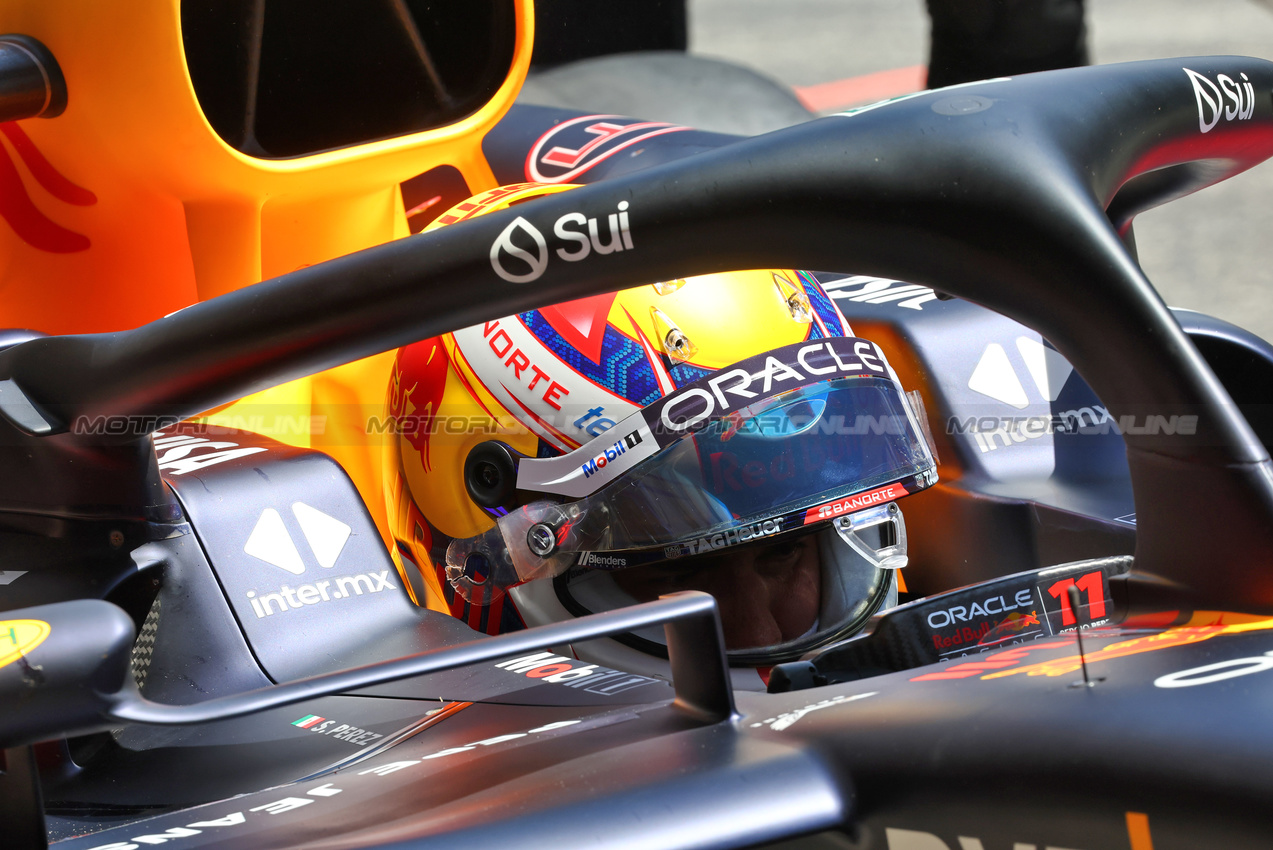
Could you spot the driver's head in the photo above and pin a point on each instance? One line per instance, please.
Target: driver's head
(722, 433)
(768, 592)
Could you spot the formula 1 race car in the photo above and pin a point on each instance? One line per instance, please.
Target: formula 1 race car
(1080, 662)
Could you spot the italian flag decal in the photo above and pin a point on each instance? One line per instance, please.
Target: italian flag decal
(308, 721)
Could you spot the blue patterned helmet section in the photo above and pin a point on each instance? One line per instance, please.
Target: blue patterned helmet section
(822, 305)
(686, 373)
(623, 369)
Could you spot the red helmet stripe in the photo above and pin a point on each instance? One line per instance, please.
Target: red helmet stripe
(561, 440)
(661, 375)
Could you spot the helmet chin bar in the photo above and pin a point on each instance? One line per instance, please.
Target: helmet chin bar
(889, 556)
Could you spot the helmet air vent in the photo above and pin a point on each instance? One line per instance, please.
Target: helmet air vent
(667, 287)
(676, 344)
(795, 299)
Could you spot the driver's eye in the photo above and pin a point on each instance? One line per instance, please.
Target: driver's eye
(781, 550)
(780, 555)
(678, 578)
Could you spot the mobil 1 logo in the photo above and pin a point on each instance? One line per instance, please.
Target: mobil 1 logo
(611, 453)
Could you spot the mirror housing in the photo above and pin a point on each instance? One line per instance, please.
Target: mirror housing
(62, 667)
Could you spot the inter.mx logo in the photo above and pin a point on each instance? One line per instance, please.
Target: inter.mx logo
(270, 542)
(520, 253)
(993, 376)
(326, 537)
(1226, 97)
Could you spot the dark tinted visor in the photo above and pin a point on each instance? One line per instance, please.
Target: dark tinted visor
(786, 454)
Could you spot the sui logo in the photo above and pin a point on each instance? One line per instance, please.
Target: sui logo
(1226, 97)
(504, 245)
(524, 260)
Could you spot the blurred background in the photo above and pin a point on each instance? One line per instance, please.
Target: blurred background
(1210, 251)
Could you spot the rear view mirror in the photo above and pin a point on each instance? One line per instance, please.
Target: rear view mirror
(61, 667)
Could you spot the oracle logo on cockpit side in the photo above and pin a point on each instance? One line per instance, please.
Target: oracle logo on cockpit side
(985, 608)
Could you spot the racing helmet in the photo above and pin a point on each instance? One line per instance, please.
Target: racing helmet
(724, 433)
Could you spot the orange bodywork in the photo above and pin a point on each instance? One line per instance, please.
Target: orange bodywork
(129, 206)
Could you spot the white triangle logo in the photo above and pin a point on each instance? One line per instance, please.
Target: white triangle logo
(994, 377)
(9, 576)
(270, 543)
(326, 535)
(1048, 368)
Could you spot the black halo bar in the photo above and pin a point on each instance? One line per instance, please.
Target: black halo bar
(996, 192)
